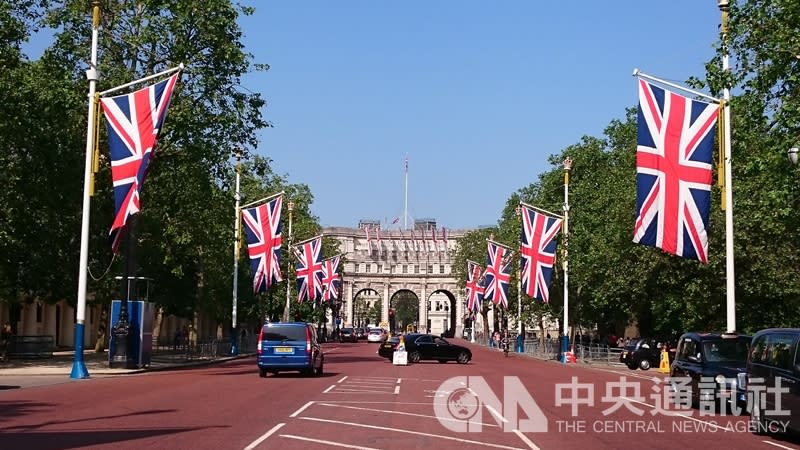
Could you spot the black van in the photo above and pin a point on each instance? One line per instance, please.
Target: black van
(774, 360)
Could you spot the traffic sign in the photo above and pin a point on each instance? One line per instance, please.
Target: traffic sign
(338, 321)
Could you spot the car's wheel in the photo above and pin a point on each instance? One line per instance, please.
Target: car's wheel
(632, 366)
(443, 361)
(262, 373)
(644, 364)
(463, 357)
(413, 357)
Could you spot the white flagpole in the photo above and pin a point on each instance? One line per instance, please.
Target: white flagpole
(726, 95)
(234, 334)
(565, 338)
(92, 74)
(405, 208)
(640, 74)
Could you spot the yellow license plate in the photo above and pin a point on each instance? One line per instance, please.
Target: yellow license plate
(284, 350)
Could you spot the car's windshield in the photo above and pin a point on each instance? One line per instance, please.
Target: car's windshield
(375, 332)
(718, 350)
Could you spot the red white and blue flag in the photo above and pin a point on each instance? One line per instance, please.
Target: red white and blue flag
(474, 287)
(263, 236)
(331, 280)
(537, 252)
(134, 121)
(309, 270)
(498, 273)
(673, 172)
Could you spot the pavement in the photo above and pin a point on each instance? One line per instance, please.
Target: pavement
(97, 364)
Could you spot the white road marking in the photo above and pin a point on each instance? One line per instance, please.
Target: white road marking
(496, 413)
(302, 408)
(527, 441)
(329, 388)
(357, 391)
(622, 373)
(390, 411)
(330, 443)
(264, 436)
(360, 402)
(418, 433)
(777, 445)
(396, 390)
(368, 383)
(342, 379)
(398, 380)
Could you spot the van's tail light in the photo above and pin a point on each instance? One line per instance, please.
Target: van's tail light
(260, 337)
(308, 341)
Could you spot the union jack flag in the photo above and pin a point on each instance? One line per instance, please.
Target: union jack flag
(498, 274)
(673, 172)
(134, 121)
(474, 287)
(263, 236)
(309, 270)
(537, 252)
(331, 281)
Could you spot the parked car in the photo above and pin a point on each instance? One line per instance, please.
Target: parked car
(376, 335)
(714, 363)
(646, 353)
(774, 358)
(289, 346)
(361, 333)
(348, 335)
(426, 347)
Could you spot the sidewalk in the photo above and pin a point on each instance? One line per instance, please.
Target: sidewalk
(97, 364)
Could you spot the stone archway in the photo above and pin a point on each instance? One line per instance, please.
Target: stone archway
(367, 307)
(442, 317)
(403, 311)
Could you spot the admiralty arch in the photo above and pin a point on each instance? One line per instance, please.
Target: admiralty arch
(387, 267)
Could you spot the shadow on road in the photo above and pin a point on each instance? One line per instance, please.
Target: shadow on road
(78, 439)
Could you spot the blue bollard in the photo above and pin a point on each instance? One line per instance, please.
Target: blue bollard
(520, 344)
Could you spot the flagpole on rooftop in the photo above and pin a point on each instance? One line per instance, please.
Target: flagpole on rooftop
(565, 337)
(405, 208)
(92, 74)
(724, 6)
(234, 334)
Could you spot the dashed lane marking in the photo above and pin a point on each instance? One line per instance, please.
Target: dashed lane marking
(356, 391)
(676, 414)
(264, 436)
(396, 390)
(328, 443)
(329, 388)
(401, 413)
(777, 445)
(417, 433)
(342, 379)
(302, 408)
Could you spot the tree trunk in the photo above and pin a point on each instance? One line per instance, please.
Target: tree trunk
(159, 319)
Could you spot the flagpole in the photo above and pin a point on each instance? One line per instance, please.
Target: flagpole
(142, 80)
(405, 208)
(518, 212)
(640, 74)
(565, 338)
(92, 74)
(726, 95)
(234, 334)
(288, 306)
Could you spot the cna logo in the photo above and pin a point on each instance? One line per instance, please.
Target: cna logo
(468, 396)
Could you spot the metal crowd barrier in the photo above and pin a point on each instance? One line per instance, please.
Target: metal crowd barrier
(165, 349)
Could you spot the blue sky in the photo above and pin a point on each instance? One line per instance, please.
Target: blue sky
(477, 93)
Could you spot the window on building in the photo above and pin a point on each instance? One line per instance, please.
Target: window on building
(369, 268)
(430, 268)
(441, 268)
(405, 268)
(380, 268)
(416, 268)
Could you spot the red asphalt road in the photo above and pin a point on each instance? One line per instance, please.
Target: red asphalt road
(362, 401)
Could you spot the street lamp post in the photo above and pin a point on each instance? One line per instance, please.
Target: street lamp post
(234, 334)
(565, 338)
(518, 212)
(286, 309)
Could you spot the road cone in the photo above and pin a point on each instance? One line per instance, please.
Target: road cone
(664, 366)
